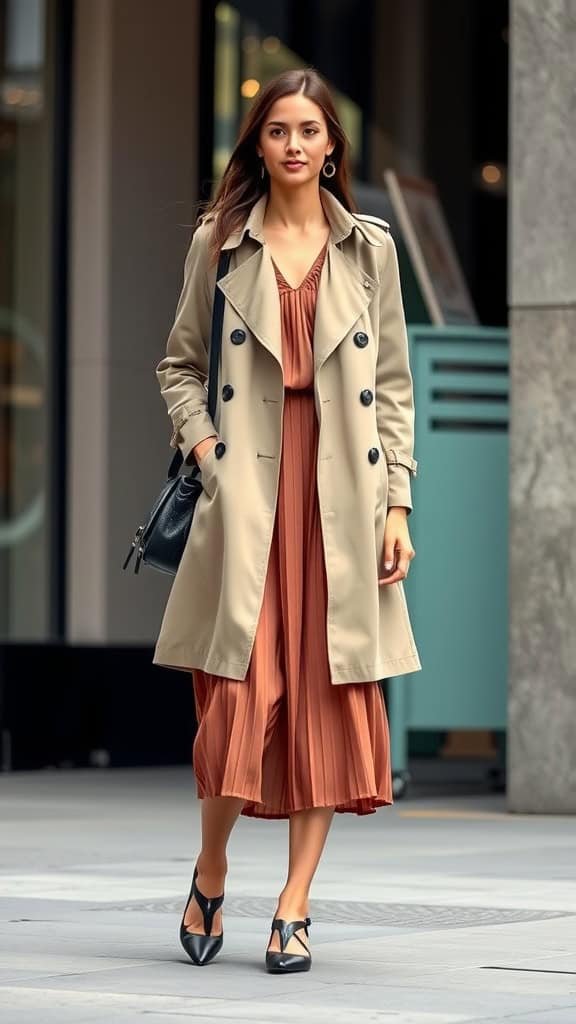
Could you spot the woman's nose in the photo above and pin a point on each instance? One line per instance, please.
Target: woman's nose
(294, 145)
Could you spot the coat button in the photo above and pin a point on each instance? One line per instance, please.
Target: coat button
(227, 392)
(360, 339)
(366, 396)
(238, 336)
(373, 455)
(220, 448)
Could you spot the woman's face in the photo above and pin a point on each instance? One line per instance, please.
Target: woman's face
(294, 140)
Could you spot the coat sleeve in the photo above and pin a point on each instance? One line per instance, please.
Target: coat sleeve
(183, 372)
(394, 387)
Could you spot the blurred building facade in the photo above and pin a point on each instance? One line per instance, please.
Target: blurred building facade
(116, 117)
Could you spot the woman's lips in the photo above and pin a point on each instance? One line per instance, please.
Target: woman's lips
(293, 165)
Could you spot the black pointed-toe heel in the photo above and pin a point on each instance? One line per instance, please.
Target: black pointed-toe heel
(288, 963)
(202, 948)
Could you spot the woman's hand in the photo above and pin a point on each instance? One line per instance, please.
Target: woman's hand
(396, 543)
(203, 446)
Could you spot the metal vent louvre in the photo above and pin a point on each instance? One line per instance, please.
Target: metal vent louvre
(468, 389)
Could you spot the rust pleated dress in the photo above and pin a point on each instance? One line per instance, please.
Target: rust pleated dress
(286, 738)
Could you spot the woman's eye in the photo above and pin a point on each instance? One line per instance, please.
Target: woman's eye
(314, 131)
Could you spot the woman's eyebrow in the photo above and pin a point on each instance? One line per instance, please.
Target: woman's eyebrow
(284, 125)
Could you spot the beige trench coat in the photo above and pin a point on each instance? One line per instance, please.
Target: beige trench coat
(365, 460)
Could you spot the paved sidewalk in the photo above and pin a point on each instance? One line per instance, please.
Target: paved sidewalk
(437, 910)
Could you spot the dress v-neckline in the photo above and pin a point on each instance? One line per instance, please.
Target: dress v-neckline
(304, 279)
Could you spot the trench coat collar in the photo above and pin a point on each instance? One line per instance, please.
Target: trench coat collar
(341, 222)
(344, 289)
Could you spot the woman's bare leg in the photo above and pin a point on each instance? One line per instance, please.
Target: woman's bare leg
(308, 832)
(219, 815)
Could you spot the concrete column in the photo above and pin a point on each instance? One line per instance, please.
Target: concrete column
(542, 297)
(132, 198)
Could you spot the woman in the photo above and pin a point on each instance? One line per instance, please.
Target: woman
(288, 603)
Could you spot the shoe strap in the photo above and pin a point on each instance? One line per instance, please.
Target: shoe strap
(207, 906)
(287, 929)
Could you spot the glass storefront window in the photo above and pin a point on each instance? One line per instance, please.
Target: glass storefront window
(26, 315)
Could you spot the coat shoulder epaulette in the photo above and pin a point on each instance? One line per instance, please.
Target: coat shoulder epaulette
(372, 227)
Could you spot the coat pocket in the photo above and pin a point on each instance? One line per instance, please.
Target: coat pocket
(208, 474)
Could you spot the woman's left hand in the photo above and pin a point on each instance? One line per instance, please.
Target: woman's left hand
(397, 544)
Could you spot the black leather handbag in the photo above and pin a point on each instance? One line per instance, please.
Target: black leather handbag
(160, 541)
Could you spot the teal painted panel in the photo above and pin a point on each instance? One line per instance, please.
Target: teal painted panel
(461, 382)
(457, 588)
(469, 410)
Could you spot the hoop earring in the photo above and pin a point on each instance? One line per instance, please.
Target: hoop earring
(262, 170)
(329, 173)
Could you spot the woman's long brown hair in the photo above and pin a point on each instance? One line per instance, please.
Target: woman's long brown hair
(241, 184)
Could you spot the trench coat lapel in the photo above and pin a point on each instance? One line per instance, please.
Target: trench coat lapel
(344, 291)
(252, 291)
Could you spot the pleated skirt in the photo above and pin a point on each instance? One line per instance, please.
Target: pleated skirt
(285, 738)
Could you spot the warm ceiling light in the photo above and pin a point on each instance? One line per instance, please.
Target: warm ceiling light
(491, 174)
(21, 396)
(250, 44)
(271, 44)
(13, 95)
(249, 88)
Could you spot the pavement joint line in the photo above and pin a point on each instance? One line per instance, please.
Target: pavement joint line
(527, 970)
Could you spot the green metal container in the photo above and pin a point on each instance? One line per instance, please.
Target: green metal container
(457, 587)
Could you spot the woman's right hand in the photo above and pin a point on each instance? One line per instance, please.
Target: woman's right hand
(203, 446)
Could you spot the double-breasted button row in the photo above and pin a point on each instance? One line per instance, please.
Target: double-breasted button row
(237, 337)
(366, 395)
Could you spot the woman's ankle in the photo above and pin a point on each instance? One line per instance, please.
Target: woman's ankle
(294, 902)
(211, 866)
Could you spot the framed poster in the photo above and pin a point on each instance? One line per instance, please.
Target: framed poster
(429, 245)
